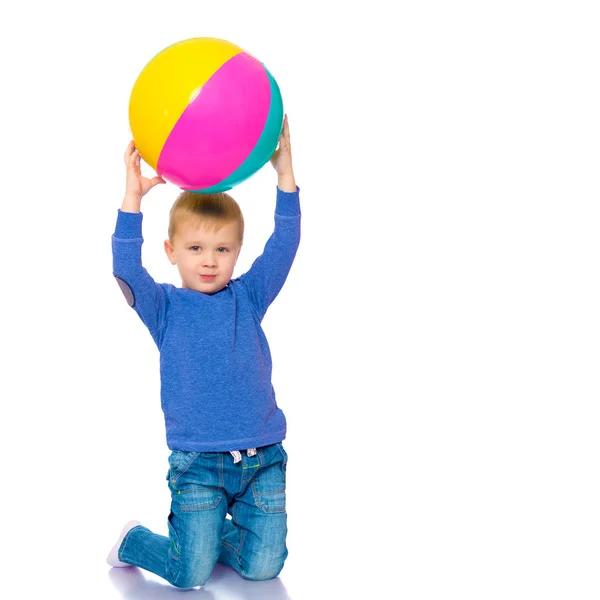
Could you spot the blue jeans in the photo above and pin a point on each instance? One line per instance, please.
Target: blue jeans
(205, 486)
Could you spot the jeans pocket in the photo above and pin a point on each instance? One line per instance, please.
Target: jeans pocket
(196, 498)
(179, 463)
(270, 502)
(268, 485)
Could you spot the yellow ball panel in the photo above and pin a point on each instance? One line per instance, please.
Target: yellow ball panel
(165, 87)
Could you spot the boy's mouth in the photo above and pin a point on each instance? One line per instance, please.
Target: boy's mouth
(207, 277)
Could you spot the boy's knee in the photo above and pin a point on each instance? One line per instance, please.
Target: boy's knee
(193, 573)
(264, 569)
(191, 579)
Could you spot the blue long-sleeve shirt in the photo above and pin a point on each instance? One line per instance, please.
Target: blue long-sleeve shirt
(215, 362)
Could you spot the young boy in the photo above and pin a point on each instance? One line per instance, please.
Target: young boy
(223, 425)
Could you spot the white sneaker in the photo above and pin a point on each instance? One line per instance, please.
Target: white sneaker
(113, 557)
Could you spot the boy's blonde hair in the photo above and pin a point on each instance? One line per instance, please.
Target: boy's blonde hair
(213, 210)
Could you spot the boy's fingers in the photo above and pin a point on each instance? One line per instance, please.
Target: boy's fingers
(133, 163)
(134, 158)
(129, 149)
(130, 152)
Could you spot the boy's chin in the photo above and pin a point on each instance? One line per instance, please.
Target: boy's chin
(205, 288)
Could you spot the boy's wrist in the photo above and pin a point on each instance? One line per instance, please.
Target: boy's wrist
(131, 203)
(286, 182)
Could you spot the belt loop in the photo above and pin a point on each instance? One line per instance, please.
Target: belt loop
(251, 452)
(236, 456)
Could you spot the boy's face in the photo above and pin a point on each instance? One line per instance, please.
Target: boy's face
(205, 258)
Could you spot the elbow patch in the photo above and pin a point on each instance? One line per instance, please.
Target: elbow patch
(127, 291)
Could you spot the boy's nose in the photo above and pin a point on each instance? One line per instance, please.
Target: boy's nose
(209, 260)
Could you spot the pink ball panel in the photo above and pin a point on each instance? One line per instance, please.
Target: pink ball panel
(220, 127)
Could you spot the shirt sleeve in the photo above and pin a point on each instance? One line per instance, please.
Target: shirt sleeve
(142, 293)
(268, 273)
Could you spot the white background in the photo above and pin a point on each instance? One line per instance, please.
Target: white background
(436, 344)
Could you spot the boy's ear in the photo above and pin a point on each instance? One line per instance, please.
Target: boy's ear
(169, 251)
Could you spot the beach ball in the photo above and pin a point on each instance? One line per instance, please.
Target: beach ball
(205, 114)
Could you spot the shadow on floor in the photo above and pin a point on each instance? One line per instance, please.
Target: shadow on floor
(224, 583)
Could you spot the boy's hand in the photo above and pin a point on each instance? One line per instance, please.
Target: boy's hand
(282, 160)
(136, 184)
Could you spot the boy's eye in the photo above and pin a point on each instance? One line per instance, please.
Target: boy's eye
(222, 249)
(194, 248)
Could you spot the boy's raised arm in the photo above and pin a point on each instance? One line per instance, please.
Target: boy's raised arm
(268, 273)
(142, 293)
